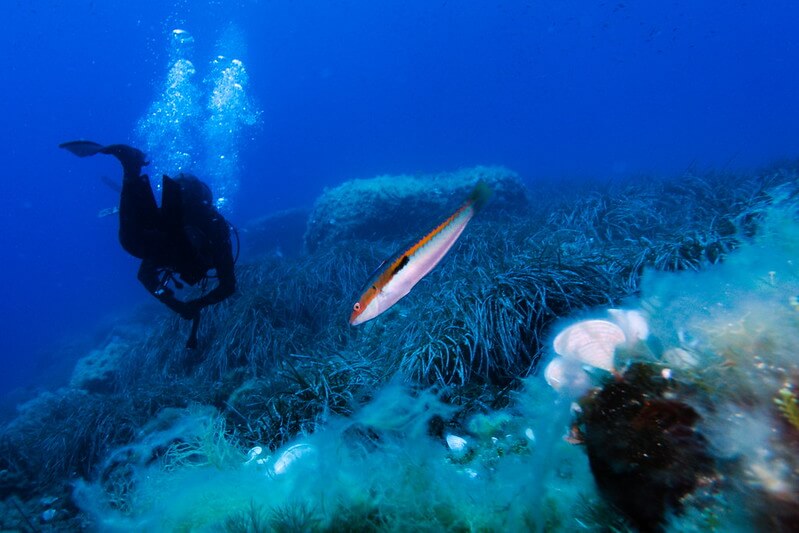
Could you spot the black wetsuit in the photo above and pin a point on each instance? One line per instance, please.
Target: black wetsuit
(182, 238)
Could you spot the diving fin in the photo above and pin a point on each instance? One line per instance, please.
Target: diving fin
(82, 148)
(132, 159)
(127, 155)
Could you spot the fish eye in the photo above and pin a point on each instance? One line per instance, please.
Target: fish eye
(357, 306)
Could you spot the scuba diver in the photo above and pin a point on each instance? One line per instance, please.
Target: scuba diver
(185, 238)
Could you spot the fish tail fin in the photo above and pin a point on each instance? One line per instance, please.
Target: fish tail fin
(480, 195)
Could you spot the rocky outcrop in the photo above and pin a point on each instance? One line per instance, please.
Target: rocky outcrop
(391, 207)
(277, 234)
(96, 372)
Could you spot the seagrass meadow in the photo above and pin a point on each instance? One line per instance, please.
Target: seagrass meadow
(436, 415)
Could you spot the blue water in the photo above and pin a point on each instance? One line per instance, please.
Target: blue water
(351, 89)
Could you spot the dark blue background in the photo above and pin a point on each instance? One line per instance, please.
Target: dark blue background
(357, 88)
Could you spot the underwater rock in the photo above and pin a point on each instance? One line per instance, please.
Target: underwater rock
(276, 234)
(389, 207)
(643, 450)
(95, 372)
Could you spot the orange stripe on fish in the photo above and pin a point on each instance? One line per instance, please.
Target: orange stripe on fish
(395, 278)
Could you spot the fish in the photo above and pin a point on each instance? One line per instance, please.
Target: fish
(395, 277)
(108, 211)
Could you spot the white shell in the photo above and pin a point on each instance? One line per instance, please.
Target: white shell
(554, 374)
(632, 321)
(289, 456)
(567, 377)
(456, 443)
(592, 342)
(253, 454)
(681, 359)
(771, 476)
